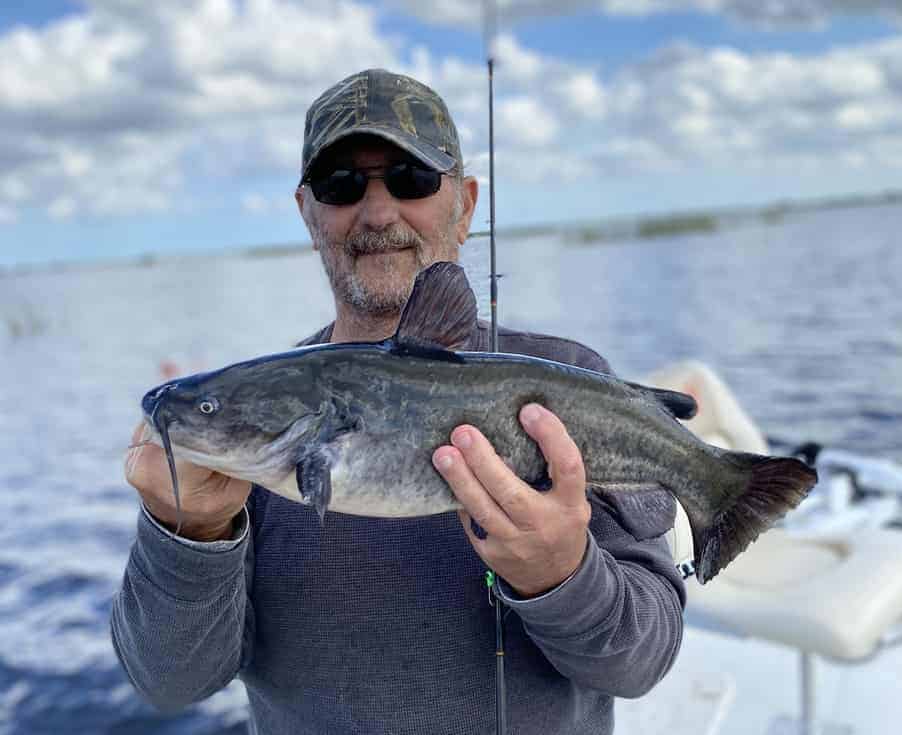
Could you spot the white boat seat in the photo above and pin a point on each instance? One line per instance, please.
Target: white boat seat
(720, 419)
(835, 597)
(836, 591)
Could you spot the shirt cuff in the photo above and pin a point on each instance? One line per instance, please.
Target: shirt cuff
(509, 596)
(239, 533)
(586, 599)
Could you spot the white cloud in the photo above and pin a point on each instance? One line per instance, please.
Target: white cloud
(133, 95)
(584, 95)
(7, 215)
(862, 118)
(135, 101)
(723, 106)
(471, 12)
(62, 207)
(685, 107)
(544, 167)
(524, 121)
(13, 190)
(811, 13)
(541, 101)
(521, 65)
(256, 203)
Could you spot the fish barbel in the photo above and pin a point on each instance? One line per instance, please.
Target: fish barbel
(351, 427)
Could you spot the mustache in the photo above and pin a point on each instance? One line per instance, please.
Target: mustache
(368, 242)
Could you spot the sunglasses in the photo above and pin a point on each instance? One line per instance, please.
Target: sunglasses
(348, 185)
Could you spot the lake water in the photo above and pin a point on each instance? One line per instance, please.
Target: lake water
(802, 318)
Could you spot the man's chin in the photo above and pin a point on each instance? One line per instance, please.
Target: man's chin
(385, 278)
(378, 302)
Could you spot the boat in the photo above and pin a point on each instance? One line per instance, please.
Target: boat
(826, 581)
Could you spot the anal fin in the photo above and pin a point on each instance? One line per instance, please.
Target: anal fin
(644, 509)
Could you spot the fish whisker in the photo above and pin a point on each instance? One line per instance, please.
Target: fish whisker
(163, 430)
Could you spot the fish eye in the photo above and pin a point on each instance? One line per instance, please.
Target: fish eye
(208, 406)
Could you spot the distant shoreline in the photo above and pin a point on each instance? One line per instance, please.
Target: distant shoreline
(696, 221)
(625, 227)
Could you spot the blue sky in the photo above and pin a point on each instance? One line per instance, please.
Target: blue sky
(132, 128)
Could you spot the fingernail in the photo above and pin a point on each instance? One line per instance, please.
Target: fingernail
(443, 462)
(530, 413)
(462, 440)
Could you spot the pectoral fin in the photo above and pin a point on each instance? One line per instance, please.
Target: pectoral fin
(315, 482)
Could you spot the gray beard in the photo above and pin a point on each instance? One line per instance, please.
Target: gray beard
(348, 288)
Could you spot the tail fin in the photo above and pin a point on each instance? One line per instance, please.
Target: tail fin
(775, 485)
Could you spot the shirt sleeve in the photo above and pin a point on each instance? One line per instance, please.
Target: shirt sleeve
(181, 623)
(616, 624)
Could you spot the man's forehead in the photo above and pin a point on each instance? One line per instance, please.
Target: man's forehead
(363, 150)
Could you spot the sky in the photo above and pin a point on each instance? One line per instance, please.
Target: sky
(129, 127)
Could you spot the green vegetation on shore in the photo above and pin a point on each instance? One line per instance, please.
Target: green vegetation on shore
(668, 226)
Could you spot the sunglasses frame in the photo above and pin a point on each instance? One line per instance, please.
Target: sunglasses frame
(386, 175)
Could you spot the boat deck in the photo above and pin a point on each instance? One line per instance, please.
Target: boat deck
(722, 685)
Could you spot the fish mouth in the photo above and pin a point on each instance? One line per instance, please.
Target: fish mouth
(154, 398)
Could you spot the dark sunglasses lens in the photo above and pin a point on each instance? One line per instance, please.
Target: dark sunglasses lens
(342, 186)
(408, 181)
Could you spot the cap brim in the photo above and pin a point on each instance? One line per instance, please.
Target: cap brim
(426, 152)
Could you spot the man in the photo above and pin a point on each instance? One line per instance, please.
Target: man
(367, 625)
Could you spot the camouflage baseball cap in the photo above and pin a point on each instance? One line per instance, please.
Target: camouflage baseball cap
(397, 108)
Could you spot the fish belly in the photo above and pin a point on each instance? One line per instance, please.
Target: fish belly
(387, 478)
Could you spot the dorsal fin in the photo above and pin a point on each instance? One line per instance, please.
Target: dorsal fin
(681, 405)
(441, 310)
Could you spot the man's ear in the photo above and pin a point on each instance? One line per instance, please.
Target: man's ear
(469, 194)
(299, 196)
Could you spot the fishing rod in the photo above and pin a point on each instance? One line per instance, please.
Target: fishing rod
(489, 15)
(490, 23)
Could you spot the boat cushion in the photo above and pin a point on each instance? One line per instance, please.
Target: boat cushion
(834, 596)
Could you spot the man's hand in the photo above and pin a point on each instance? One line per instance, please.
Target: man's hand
(209, 499)
(535, 539)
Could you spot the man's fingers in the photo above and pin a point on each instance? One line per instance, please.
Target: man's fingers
(142, 433)
(515, 497)
(475, 499)
(565, 461)
(139, 451)
(133, 456)
(146, 465)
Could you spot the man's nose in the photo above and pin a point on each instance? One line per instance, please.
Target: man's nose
(378, 208)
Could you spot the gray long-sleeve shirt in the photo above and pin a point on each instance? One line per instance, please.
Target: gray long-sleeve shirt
(368, 625)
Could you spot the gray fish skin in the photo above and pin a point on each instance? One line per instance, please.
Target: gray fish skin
(352, 427)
